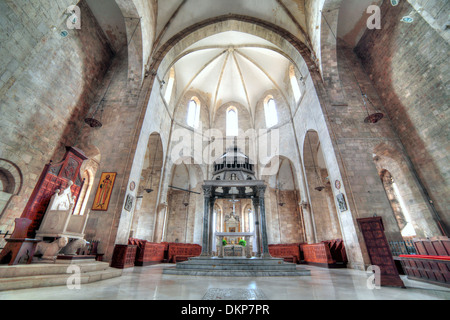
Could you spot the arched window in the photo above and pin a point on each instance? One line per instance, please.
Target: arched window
(193, 116)
(232, 122)
(270, 110)
(169, 88)
(294, 84)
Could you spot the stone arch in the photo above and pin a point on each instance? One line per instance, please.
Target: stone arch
(290, 46)
(11, 181)
(282, 201)
(391, 163)
(324, 211)
(146, 214)
(135, 49)
(329, 19)
(185, 202)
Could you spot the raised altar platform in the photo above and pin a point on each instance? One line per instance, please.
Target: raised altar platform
(236, 267)
(38, 275)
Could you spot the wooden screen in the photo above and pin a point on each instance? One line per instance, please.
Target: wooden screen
(379, 251)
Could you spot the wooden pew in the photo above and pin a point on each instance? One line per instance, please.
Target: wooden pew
(329, 254)
(433, 269)
(124, 256)
(288, 252)
(147, 253)
(179, 252)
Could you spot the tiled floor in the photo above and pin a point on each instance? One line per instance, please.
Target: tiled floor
(148, 283)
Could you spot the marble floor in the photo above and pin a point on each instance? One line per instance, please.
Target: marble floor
(149, 283)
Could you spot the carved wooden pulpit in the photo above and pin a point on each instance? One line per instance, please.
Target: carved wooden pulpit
(20, 246)
(54, 177)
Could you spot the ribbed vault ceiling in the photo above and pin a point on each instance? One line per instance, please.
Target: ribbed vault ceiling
(231, 67)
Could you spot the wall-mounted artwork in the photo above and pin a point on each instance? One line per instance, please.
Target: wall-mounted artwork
(129, 203)
(341, 202)
(104, 190)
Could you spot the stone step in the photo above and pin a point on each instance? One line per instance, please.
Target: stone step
(43, 269)
(228, 266)
(236, 267)
(236, 273)
(236, 260)
(49, 280)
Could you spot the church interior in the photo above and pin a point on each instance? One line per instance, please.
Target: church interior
(207, 149)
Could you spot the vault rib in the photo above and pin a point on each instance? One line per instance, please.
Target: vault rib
(185, 89)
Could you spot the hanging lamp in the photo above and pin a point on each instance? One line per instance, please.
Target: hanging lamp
(320, 185)
(280, 202)
(92, 121)
(186, 199)
(371, 117)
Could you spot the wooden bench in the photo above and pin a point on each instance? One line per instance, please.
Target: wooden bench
(318, 254)
(433, 269)
(288, 252)
(337, 250)
(147, 253)
(439, 246)
(183, 251)
(123, 256)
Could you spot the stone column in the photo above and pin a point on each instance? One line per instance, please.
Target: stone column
(257, 226)
(211, 227)
(262, 210)
(308, 224)
(221, 247)
(207, 191)
(248, 254)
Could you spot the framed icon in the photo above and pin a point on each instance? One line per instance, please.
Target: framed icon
(104, 190)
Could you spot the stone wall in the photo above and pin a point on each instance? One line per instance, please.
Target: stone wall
(408, 64)
(47, 86)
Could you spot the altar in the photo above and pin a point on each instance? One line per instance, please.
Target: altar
(247, 237)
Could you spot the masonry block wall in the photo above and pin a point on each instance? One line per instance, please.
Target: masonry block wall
(47, 86)
(408, 64)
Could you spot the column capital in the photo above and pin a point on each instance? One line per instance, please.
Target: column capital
(207, 191)
(260, 190)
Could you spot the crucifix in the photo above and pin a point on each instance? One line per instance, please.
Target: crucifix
(233, 214)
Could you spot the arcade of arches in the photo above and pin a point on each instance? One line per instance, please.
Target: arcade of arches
(293, 81)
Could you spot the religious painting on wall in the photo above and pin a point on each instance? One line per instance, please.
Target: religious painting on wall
(341, 202)
(104, 190)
